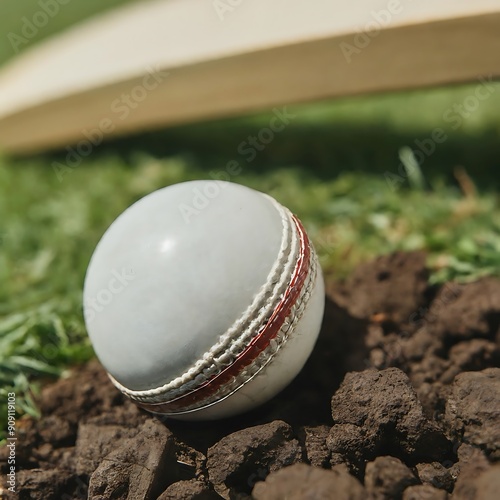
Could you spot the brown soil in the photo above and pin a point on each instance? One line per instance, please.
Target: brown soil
(400, 399)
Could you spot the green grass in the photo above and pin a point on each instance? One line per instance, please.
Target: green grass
(50, 228)
(331, 166)
(359, 134)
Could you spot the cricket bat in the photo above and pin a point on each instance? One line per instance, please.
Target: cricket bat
(165, 62)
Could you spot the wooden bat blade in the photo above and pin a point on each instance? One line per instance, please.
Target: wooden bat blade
(166, 62)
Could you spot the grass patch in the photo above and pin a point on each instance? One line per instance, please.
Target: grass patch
(49, 229)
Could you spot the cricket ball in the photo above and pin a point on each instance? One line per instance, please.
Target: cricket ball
(203, 300)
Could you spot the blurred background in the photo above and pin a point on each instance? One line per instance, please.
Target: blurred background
(365, 174)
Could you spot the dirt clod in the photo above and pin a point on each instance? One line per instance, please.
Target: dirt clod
(317, 452)
(246, 456)
(392, 288)
(375, 410)
(95, 442)
(387, 478)
(436, 474)
(424, 492)
(473, 410)
(484, 485)
(462, 312)
(38, 484)
(402, 388)
(191, 489)
(303, 481)
(140, 468)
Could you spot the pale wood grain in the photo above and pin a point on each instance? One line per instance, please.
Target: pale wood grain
(262, 54)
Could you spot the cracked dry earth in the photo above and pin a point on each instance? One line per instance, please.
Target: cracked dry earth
(400, 399)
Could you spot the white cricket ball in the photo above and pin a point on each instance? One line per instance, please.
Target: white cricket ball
(203, 300)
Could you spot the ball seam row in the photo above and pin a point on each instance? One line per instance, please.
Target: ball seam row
(226, 389)
(205, 368)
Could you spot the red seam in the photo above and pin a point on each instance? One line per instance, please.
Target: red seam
(256, 346)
